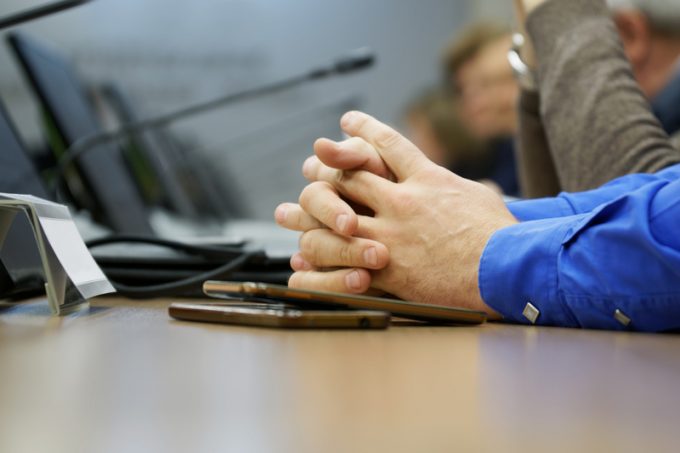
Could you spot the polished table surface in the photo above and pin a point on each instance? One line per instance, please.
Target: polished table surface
(124, 377)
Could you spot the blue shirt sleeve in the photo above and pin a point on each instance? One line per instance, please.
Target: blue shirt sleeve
(614, 267)
(566, 204)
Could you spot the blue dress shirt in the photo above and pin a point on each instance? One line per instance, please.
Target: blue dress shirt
(581, 258)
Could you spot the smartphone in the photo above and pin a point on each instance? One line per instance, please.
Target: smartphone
(307, 298)
(280, 317)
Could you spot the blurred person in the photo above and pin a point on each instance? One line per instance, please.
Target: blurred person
(650, 33)
(433, 125)
(605, 258)
(476, 66)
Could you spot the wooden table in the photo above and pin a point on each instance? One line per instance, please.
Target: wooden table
(124, 377)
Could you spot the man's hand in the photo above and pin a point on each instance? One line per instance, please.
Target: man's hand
(426, 236)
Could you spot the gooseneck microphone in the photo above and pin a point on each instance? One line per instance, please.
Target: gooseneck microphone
(38, 12)
(355, 60)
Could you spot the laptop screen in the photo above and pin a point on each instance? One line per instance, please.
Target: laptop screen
(19, 258)
(108, 189)
(17, 172)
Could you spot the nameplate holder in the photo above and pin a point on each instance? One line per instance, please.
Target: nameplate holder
(71, 274)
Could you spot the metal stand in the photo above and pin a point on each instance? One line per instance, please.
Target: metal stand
(63, 296)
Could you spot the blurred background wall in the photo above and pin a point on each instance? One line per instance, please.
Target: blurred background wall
(169, 53)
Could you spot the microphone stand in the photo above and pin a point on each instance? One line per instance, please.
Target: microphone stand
(356, 60)
(38, 12)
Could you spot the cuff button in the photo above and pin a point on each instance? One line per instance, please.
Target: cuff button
(622, 318)
(531, 313)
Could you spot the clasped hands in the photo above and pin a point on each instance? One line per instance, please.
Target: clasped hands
(378, 216)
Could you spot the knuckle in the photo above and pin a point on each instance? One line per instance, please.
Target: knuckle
(358, 146)
(292, 216)
(346, 254)
(354, 142)
(339, 178)
(327, 174)
(303, 199)
(309, 192)
(436, 173)
(317, 257)
(387, 138)
(300, 220)
(309, 248)
(408, 202)
(383, 255)
(403, 200)
(327, 213)
(306, 243)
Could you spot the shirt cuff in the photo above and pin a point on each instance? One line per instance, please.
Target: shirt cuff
(519, 266)
(541, 208)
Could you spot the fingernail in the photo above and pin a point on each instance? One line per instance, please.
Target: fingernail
(347, 119)
(280, 214)
(341, 222)
(298, 262)
(371, 257)
(353, 280)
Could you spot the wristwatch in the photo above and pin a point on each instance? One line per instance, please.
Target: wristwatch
(523, 74)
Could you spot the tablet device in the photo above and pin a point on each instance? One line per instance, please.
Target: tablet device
(307, 298)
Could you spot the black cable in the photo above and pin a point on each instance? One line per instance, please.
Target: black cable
(182, 286)
(237, 259)
(208, 251)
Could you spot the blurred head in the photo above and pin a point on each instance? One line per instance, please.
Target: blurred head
(476, 65)
(650, 32)
(433, 126)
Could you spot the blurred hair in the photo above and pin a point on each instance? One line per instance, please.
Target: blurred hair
(466, 45)
(663, 15)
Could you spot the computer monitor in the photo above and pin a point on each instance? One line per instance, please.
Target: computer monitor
(104, 186)
(20, 266)
(17, 172)
(161, 169)
(184, 177)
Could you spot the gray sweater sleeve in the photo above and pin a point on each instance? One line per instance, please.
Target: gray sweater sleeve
(535, 165)
(597, 122)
